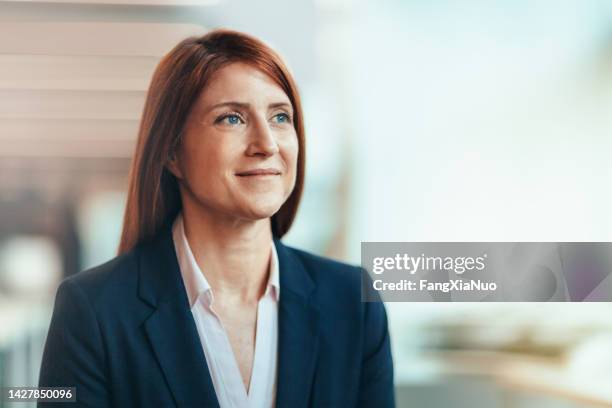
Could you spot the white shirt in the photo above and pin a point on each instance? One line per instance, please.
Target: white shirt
(222, 365)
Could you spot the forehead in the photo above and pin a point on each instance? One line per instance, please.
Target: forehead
(240, 82)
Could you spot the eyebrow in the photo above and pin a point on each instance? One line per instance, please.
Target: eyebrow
(244, 105)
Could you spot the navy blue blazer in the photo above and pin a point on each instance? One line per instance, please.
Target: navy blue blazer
(123, 334)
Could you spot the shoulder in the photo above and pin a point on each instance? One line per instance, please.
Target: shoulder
(333, 279)
(323, 268)
(338, 296)
(106, 283)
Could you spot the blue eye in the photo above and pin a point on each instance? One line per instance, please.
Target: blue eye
(230, 119)
(282, 118)
(233, 119)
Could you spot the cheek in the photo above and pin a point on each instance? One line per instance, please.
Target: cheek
(209, 154)
(290, 153)
(290, 157)
(195, 160)
(202, 163)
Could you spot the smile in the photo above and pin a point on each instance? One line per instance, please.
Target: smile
(259, 172)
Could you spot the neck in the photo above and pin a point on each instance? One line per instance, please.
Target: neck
(233, 254)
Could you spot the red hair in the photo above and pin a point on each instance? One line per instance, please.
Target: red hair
(153, 195)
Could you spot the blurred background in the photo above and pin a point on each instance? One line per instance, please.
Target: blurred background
(439, 120)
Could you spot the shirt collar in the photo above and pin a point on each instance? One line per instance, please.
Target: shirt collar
(195, 281)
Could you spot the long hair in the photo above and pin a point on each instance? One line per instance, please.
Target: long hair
(153, 198)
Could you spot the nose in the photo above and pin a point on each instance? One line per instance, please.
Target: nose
(261, 140)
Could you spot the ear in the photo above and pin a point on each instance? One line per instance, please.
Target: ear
(173, 167)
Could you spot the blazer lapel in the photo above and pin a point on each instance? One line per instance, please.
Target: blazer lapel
(171, 328)
(297, 332)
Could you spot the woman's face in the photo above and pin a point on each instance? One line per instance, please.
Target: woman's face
(238, 154)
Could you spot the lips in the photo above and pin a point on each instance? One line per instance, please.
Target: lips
(259, 172)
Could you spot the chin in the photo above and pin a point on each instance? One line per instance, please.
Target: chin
(260, 209)
(261, 212)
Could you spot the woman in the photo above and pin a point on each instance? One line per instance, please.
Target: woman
(204, 306)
